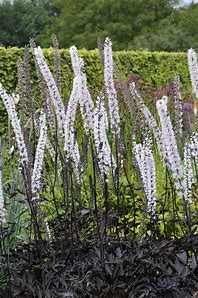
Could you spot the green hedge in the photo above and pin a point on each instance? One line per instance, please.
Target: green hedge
(153, 67)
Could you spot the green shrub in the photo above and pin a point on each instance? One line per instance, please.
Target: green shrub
(154, 68)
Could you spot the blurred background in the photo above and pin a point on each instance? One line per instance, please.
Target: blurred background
(156, 25)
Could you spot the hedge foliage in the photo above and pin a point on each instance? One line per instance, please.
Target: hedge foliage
(154, 68)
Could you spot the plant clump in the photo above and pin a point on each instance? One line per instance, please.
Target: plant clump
(108, 202)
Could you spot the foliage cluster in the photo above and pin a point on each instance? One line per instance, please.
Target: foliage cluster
(162, 269)
(159, 25)
(21, 19)
(154, 68)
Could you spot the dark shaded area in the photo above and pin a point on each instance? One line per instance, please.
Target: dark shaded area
(117, 268)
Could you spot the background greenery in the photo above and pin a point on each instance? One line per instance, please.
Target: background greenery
(161, 25)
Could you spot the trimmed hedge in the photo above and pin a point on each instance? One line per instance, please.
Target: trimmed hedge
(154, 68)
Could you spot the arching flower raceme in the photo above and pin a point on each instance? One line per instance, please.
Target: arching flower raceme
(165, 137)
(170, 142)
(82, 92)
(79, 95)
(52, 87)
(193, 70)
(35, 183)
(188, 174)
(12, 114)
(48, 145)
(194, 146)
(105, 156)
(145, 160)
(51, 150)
(110, 88)
(151, 122)
(38, 162)
(36, 173)
(50, 116)
(71, 145)
(70, 118)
